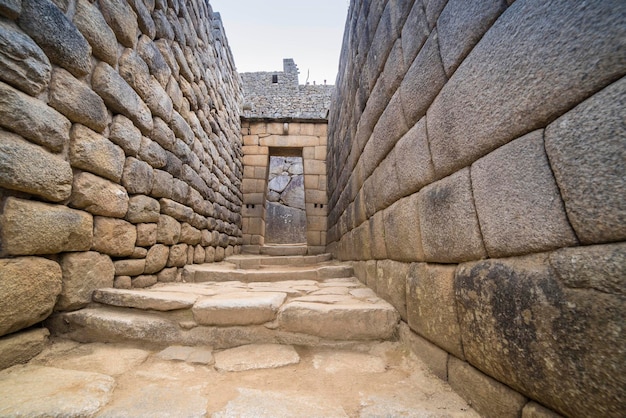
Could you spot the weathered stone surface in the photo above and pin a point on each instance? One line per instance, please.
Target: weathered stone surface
(56, 35)
(534, 410)
(94, 28)
(461, 25)
(92, 152)
(122, 282)
(148, 300)
(137, 176)
(115, 237)
(144, 20)
(125, 134)
(149, 52)
(402, 230)
(586, 151)
(343, 361)
(284, 224)
(156, 258)
(189, 234)
(146, 234)
(22, 346)
(82, 274)
(391, 283)
(120, 97)
(22, 63)
(77, 101)
(129, 267)
(168, 275)
(29, 286)
(98, 196)
(122, 19)
(168, 230)
(163, 184)
(238, 308)
(178, 256)
(517, 200)
(514, 81)
(431, 305)
(256, 356)
(30, 227)
(560, 346)
(152, 153)
(11, 8)
(197, 355)
(142, 209)
(145, 280)
(32, 119)
(448, 222)
(136, 73)
(66, 392)
(487, 396)
(29, 168)
(435, 358)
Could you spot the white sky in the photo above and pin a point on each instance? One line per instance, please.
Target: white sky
(263, 32)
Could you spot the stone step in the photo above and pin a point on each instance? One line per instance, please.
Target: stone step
(253, 261)
(284, 249)
(229, 314)
(226, 271)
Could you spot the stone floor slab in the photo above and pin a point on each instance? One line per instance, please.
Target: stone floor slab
(256, 356)
(240, 308)
(342, 361)
(142, 299)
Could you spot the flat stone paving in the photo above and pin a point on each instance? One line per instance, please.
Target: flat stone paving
(373, 379)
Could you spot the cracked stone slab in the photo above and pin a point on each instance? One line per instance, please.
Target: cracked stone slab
(239, 308)
(141, 299)
(36, 390)
(256, 356)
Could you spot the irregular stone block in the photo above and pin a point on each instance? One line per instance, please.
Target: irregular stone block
(29, 286)
(137, 176)
(152, 153)
(122, 19)
(148, 300)
(163, 184)
(178, 256)
(92, 152)
(30, 227)
(125, 134)
(534, 410)
(29, 168)
(142, 209)
(94, 28)
(151, 54)
(33, 119)
(176, 210)
(82, 274)
(168, 230)
(256, 356)
(448, 221)
(189, 234)
(431, 305)
(22, 63)
(238, 308)
(21, 347)
(168, 275)
(487, 396)
(391, 282)
(284, 224)
(514, 81)
(156, 258)
(56, 35)
(434, 357)
(115, 237)
(145, 280)
(120, 97)
(402, 230)
(98, 196)
(77, 101)
(414, 32)
(129, 267)
(586, 151)
(561, 346)
(144, 20)
(461, 25)
(11, 8)
(517, 200)
(146, 234)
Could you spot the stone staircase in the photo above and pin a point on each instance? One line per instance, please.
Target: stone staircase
(247, 299)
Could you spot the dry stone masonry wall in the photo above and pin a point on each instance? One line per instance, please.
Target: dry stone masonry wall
(476, 177)
(120, 150)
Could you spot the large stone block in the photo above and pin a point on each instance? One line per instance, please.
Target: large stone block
(22, 63)
(82, 274)
(126, 135)
(168, 230)
(461, 25)
(92, 152)
(77, 101)
(284, 224)
(120, 97)
(29, 288)
(33, 119)
(177, 256)
(153, 57)
(490, 398)
(122, 19)
(142, 209)
(98, 196)
(29, 168)
(434, 357)
(11, 8)
(56, 35)
(391, 284)
(586, 150)
(146, 234)
(517, 200)
(30, 227)
(515, 81)
(403, 238)
(156, 258)
(94, 28)
(21, 347)
(448, 222)
(431, 305)
(562, 346)
(115, 237)
(137, 176)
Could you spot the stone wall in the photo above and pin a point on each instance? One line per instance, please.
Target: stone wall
(476, 177)
(120, 150)
(264, 139)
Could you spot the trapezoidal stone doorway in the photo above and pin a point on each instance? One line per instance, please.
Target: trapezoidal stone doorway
(285, 208)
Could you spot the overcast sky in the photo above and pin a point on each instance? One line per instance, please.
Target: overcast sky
(262, 33)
